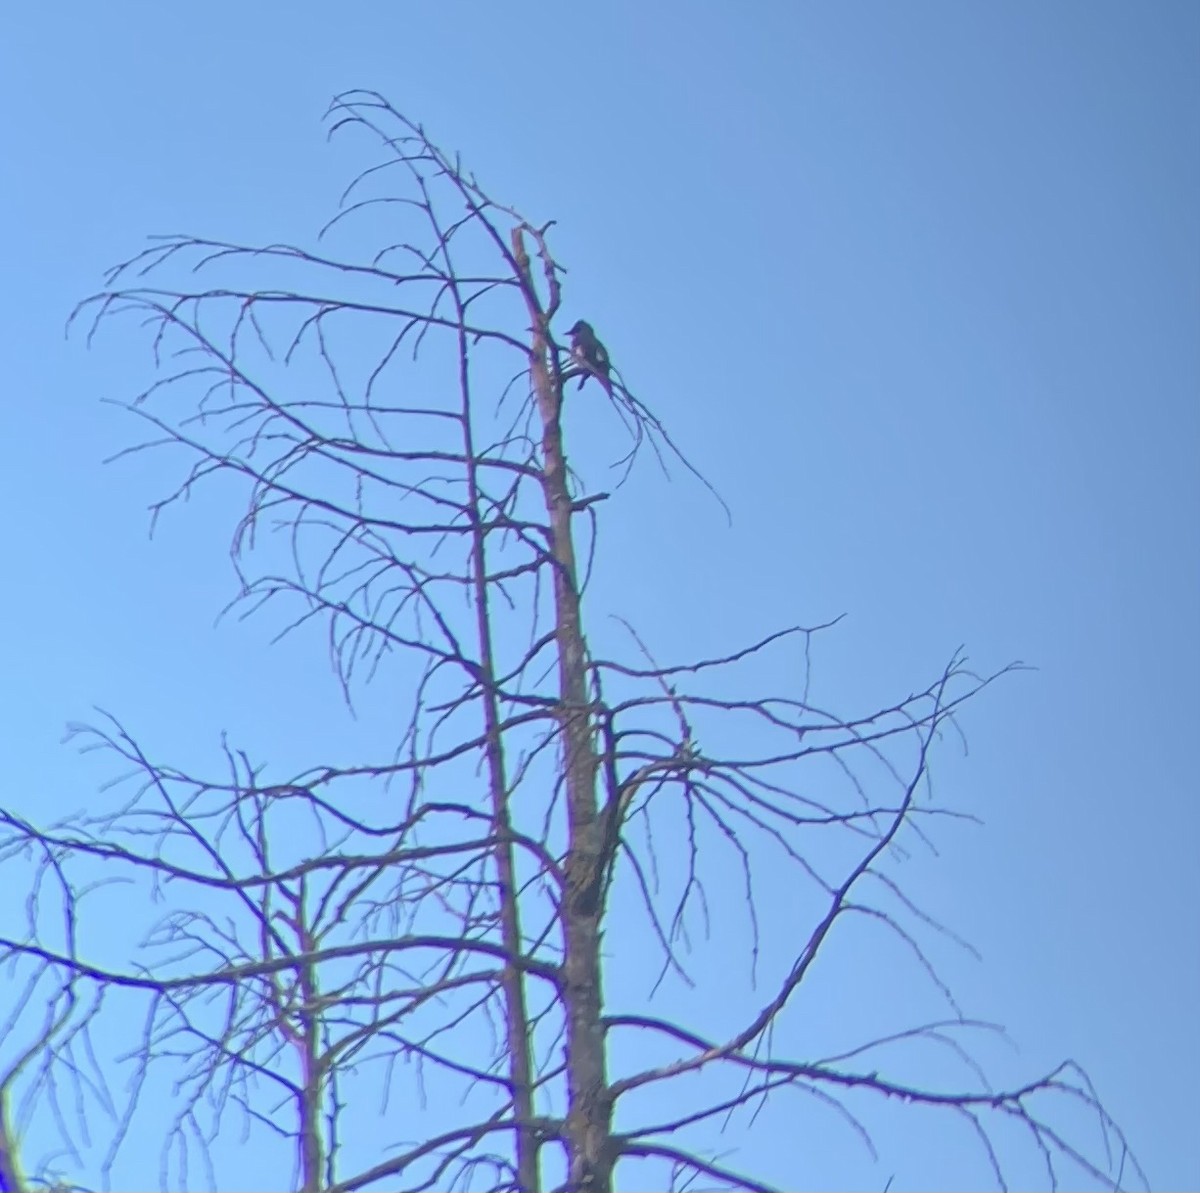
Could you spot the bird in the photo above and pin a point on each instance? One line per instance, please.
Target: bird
(590, 354)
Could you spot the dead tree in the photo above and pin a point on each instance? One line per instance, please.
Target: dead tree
(418, 939)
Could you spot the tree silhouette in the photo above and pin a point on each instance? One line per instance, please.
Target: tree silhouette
(393, 972)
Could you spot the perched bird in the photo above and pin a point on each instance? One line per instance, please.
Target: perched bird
(590, 354)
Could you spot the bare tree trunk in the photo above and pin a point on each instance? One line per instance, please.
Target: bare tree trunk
(518, 1039)
(589, 1107)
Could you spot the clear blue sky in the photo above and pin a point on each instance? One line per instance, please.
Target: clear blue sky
(917, 285)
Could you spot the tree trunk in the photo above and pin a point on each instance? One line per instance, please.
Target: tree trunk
(589, 1107)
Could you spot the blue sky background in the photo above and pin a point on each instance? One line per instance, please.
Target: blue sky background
(917, 285)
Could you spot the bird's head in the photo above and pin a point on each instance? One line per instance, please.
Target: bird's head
(581, 328)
